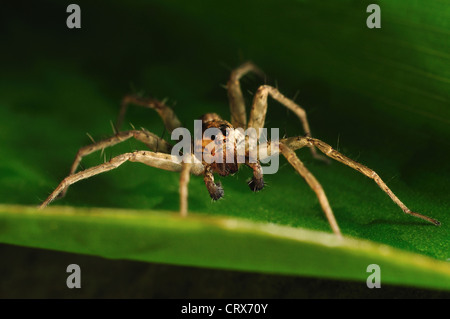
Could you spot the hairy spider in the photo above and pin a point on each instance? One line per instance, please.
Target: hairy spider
(160, 156)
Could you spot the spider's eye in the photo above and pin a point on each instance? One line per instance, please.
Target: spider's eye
(213, 137)
(223, 129)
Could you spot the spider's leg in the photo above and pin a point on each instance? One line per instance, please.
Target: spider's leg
(259, 110)
(168, 116)
(158, 160)
(235, 97)
(332, 153)
(73, 178)
(271, 148)
(313, 183)
(184, 181)
(151, 140)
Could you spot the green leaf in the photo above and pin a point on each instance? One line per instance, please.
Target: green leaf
(380, 96)
(217, 242)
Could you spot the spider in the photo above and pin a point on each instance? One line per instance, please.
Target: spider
(159, 155)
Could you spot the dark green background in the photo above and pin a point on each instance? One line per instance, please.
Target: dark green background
(379, 96)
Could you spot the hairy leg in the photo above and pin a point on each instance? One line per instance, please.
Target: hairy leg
(157, 160)
(259, 110)
(298, 142)
(168, 116)
(313, 183)
(151, 140)
(332, 153)
(235, 96)
(184, 182)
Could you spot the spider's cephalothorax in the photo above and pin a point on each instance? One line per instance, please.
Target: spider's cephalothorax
(160, 156)
(219, 151)
(218, 145)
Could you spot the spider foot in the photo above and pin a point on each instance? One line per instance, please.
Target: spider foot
(428, 219)
(256, 184)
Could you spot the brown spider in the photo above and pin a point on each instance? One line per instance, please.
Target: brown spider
(160, 156)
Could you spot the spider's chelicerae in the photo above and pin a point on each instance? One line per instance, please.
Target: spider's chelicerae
(159, 155)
